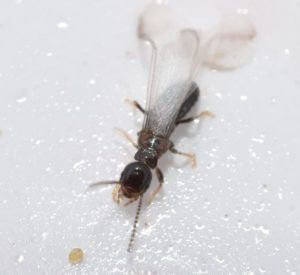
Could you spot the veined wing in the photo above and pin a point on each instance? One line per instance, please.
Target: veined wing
(172, 70)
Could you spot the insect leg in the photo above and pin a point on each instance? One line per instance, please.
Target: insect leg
(202, 114)
(116, 194)
(124, 134)
(135, 104)
(191, 156)
(160, 177)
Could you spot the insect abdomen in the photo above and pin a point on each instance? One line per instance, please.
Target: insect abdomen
(189, 102)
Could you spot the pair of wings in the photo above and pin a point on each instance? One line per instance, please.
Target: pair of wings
(177, 60)
(173, 67)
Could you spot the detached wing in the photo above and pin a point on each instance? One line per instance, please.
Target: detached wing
(172, 70)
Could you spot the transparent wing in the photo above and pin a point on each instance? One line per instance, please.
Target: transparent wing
(229, 44)
(172, 71)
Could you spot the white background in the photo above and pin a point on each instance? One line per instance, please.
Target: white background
(65, 69)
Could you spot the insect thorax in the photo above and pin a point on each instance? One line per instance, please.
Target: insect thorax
(151, 147)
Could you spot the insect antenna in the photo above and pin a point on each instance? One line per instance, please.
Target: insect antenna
(103, 182)
(129, 249)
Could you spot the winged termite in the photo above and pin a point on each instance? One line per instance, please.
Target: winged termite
(177, 58)
(171, 94)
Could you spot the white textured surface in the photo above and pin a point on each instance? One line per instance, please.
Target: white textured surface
(65, 68)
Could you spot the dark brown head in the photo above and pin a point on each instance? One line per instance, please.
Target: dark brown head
(148, 156)
(135, 179)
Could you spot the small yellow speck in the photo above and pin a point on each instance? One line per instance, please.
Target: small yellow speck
(76, 256)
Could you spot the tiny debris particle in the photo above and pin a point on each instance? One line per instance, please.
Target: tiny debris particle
(20, 259)
(62, 25)
(76, 256)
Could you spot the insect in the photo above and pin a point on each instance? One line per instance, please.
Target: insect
(171, 94)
